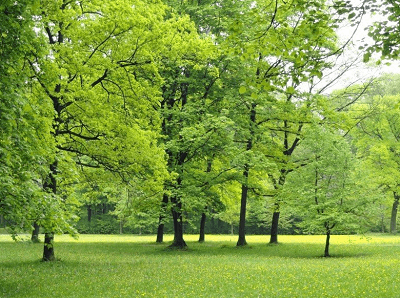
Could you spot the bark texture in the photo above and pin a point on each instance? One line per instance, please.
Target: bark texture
(328, 237)
(178, 226)
(202, 227)
(160, 229)
(35, 233)
(48, 252)
(274, 227)
(242, 220)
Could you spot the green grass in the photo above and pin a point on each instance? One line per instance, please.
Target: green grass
(134, 266)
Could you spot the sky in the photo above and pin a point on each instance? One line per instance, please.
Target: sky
(361, 37)
(359, 72)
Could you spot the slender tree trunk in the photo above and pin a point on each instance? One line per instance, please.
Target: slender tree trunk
(274, 227)
(232, 229)
(328, 237)
(202, 226)
(160, 229)
(243, 201)
(278, 184)
(48, 252)
(35, 233)
(89, 213)
(203, 215)
(242, 219)
(393, 218)
(382, 219)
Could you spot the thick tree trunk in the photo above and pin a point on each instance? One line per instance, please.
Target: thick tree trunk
(393, 218)
(202, 227)
(274, 227)
(160, 233)
(328, 237)
(178, 228)
(35, 233)
(160, 229)
(242, 220)
(51, 186)
(48, 252)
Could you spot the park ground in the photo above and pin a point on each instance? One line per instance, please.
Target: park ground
(135, 266)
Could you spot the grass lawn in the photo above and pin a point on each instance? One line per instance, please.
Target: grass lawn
(134, 266)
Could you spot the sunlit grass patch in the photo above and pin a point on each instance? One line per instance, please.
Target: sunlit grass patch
(135, 266)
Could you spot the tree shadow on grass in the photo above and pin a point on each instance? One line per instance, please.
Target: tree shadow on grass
(87, 252)
(281, 250)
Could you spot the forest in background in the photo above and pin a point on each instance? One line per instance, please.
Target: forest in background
(160, 116)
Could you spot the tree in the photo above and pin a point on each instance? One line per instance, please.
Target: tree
(377, 141)
(102, 79)
(24, 143)
(195, 128)
(279, 68)
(328, 193)
(384, 32)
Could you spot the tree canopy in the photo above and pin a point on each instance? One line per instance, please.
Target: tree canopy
(197, 110)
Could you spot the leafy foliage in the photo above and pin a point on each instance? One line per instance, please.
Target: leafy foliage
(328, 193)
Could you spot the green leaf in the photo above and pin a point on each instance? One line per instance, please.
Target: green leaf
(352, 15)
(242, 90)
(366, 57)
(290, 90)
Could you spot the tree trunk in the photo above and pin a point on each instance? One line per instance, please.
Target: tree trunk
(35, 233)
(231, 228)
(203, 215)
(178, 226)
(89, 213)
(393, 218)
(274, 227)
(242, 220)
(48, 252)
(383, 222)
(50, 185)
(243, 201)
(202, 227)
(328, 237)
(160, 233)
(160, 229)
